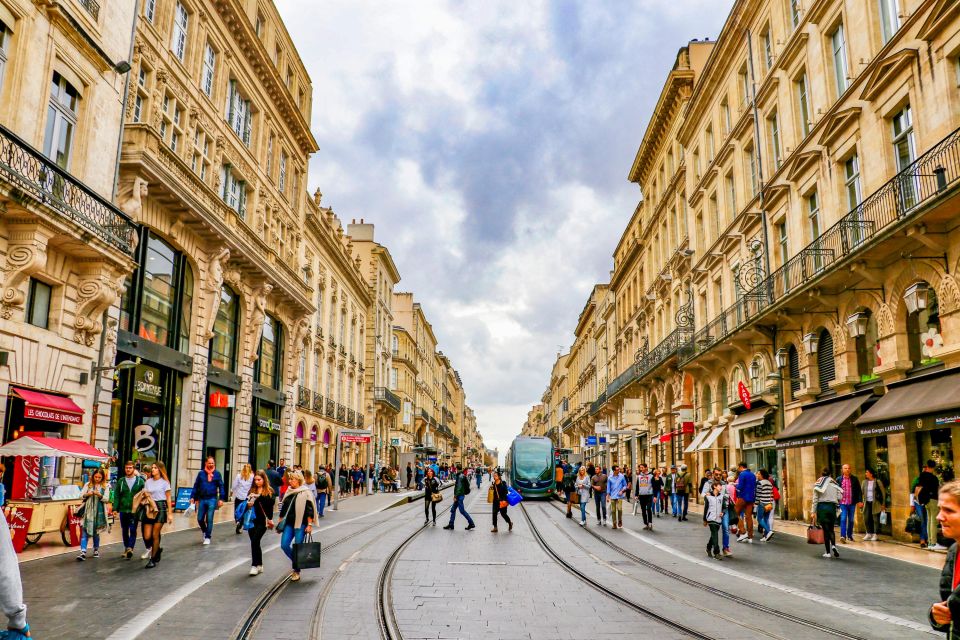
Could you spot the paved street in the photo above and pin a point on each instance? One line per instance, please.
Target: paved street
(474, 584)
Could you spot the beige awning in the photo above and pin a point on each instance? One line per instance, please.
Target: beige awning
(929, 394)
(711, 439)
(696, 441)
(752, 418)
(824, 417)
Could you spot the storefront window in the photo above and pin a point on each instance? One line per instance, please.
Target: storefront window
(876, 457)
(186, 306)
(937, 445)
(266, 430)
(223, 345)
(218, 427)
(270, 362)
(923, 331)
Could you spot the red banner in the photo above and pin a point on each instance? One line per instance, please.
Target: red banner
(687, 428)
(744, 394)
(51, 415)
(73, 526)
(18, 518)
(26, 478)
(665, 437)
(350, 438)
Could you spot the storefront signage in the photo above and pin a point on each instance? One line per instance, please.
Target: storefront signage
(394, 442)
(633, 412)
(687, 427)
(601, 425)
(759, 444)
(268, 425)
(823, 438)
(39, 413)
(74, 524)
(744, 394)
(183, 498)
(882, 429)
(352, 438)
(665, 437)
(220, 400)
(26, 478)
(951, 419)
(591, 441)
(686, 421)
(18, 519)
(147, 384)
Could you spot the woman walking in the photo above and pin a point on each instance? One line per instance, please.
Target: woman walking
(764, 504)
(241, 489)
(826, 497)
(945, 615)
(94, 493)
(582, 486)
(500, 502)
(431, 486)
(874, 503)
(157, 488)
(297, 513)
(658, 498)
(262, 501)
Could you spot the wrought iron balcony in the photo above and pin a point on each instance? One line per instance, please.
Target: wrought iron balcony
(897, 203)
(359, 419)
(303, 397)
(318, 402)
(341, 413)
(350, 416)
(39, 178)
(92, 7)
(331, 411)
(596, 404)
(425, 415)
(384, 395)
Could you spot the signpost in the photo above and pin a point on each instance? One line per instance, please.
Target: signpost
(349, 435)
(744, 394)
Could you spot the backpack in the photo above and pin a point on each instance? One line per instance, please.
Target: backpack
(322, 481)
(465, 484)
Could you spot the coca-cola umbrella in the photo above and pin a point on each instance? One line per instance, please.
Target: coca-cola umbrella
(29, 445)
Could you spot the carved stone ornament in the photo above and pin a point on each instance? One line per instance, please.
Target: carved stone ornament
(99, 289)
(212, 286)
(132, 196)
(109, 352)
(26, 255)
(257, 312)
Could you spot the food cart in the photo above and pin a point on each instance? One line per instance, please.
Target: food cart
(45, 506)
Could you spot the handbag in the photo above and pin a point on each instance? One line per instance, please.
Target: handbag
(306, 554)
(914, 524)
(513, 498)
(248, 518)
(490, 495)
(80, 511)
(574, 498)
(768, 507)
(436, 497)
(814, 535)
(503, 504)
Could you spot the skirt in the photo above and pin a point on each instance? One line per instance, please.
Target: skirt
(161, 514)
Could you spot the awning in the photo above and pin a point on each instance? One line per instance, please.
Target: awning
(696, 441)
(46, 406)
(915, 397)
(711, 439)
(822, 418)
(52, 447)
(752, 418)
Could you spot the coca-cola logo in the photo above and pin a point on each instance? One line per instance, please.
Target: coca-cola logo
(30, 466)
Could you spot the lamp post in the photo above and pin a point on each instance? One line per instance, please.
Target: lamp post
(97, 387)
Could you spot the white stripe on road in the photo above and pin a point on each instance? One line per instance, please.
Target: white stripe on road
(814, 597)
(141, 622)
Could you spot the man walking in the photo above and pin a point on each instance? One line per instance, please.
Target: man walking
(460, 490)
(409, 474)
(616, 489)
(599, 483)
(644, 491)
(851, 498)
(208, 494)
(746, 497)
(123, 491)
(275, 478)
(323, 490)
(683, 491)
(670, 486)
(925, 500)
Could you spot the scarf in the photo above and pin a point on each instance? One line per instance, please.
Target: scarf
(299, 498)
(209, 475)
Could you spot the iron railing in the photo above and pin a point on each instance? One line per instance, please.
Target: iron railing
(303, 397)
(676, 342)
(382, 394)
(39, 177)
(318, 402)
(92, 7)
(331, 408)
(892, 205)
(350, 416)
(341, 412)
(596, 404)
(359, 419)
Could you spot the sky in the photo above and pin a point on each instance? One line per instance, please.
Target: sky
(490, 142)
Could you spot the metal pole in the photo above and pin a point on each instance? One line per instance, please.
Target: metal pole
(369, 475)
(336, 470)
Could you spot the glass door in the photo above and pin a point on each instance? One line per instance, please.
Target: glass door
(876, 457)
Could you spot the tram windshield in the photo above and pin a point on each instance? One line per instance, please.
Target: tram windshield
(534, 459)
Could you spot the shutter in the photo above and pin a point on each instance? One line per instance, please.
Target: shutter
(794, 360)
(231, 89)
(247, 122)
(242, 198)
(825, 362)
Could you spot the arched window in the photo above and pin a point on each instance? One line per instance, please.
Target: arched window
(707, 402)
(722, 399)
(758, 376)
(223, 344)
(867, 344)
(923, 328)
(736, 377)
(793, 362)
(825, 364)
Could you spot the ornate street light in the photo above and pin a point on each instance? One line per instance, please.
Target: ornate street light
(755, 370)
(782, 358)
(810, 343)
(857, 324)
(915, 297)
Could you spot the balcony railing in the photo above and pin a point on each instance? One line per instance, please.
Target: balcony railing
(341, 413)
(359, 419)
(318, 402)
(38, 177)
(382, 394)
(303, 397)
(425, 415)
(92, 7)
(596, 404)
(350, 416)
(892, 205)
(331, 411)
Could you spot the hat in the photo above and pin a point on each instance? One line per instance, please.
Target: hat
(673, 466)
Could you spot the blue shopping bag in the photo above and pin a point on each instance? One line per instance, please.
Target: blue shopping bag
(248, 520)
(513, 497)
(238, 512)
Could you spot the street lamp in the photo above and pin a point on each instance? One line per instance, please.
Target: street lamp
(857, 324)
(915, 297)
(782, 358)
(810, 343)
(755, 370)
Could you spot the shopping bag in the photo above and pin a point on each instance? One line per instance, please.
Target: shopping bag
(883, 517)
(490, 495)
(513, 497)
(914, 524)
(814, 535)
(306, 554)
(248, 519)
(239, 510)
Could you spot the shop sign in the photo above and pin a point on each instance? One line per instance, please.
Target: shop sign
(665, 437)
(74, 524)
(951, 419)
(744, 394)
(882, 429)
(268, 425)
(759, 444)
(183, 498)
(601, 425)
(591, 441)
(353, 438)
(52, 415)
(824, 438)
(147, 384)
(633, 412)
(220, 400)
(687, 427)
(394, 442)
(686, 421)
(18, 519)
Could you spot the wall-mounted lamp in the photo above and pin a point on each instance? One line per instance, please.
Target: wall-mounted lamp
(857, 324)
(810, 343)
(94, 370)
(782, 358)
(754, 370)
(915, 297)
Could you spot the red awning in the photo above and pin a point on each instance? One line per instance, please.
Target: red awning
(46, 406)
(55, 447)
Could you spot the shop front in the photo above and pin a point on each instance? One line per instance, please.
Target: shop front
(265, 437)
(713, 449)
(268, 401)
(752, 434)
(218, 427)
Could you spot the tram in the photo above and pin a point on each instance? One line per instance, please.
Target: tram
(530, 464)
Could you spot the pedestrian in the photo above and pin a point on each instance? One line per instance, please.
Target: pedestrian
(705, 483)
(208, 495)
(850, 501)
(95, 494)
(296, 516)
(11, 587)
(460, 491)
(568, 484)
(670, 486)
(478, 474)
(343, 478)
(731, 488)
(683, 486)
(276, 479)
(659, 499)
(826, 498)
(500, 502)
(945, 613)
(409, 474)
(874, 503)
(599, 484)
(925, 503)
(282, 467)
(310, 485)
(643, 486)
(262, 500)
(583, 485)
(124, 490)
(746, 498)
(323, 490)
(715, 503)
(616, 489)
(241, 489)
(431, 487)
(418, 476)
(764, 504)
(157, 489)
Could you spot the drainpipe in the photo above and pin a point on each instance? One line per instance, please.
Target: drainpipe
(123, 105)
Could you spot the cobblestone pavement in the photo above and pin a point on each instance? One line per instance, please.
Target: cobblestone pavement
(476, 584)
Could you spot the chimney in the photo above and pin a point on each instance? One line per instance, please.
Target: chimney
(361, 231)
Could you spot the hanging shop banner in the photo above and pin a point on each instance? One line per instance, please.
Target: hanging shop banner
(633, 412)
(744, 394)
(146, 385)
(686, 420)
(352, 438)
(687, 427)
(220, 400)
(666, 437)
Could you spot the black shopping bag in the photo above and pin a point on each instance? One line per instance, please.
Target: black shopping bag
(306, 554)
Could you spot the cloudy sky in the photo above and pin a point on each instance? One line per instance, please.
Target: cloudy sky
(490, 143)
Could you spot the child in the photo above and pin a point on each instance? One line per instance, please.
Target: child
(717, 502)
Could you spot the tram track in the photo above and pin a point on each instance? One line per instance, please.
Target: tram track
(386, 616)
(811, 624)
(613, 595)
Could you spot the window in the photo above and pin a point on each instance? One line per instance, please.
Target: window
(5, 35)
(179, 42)
(137, 108)
(813, 218)
(773, 124)
(767, 42)
(289, 79)
(783, 246)
(270, 155)
(725, 116)
(38, 304)
(744, 83)
(793, 365)
(696, 163)
(903, 153)
(839, 46)
(395, 346)
(803, 105)
(867, 347)
(269, 364)
(889, 19)
(751, 169)
(200, 164)
(239, 114)
(393, 378)
(234, 190)
(715, 216)
(708, 145)
(260, 25)
(316, 373)
(225, 331)
(150, 10)
(209, 64)
(794, 13)
(282, 177)
(731, 195)
(61, 120)
(825, 364)
(851, 173)
(701, 243)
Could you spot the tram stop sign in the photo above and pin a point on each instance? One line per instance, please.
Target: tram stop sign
(744, 394)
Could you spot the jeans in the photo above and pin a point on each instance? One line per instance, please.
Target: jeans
(128, 528)
(583, 508)
(674, 504)
(645, 511)
(256, 553)
(321, 503)
(763, 518)
(84, 538)
(290, 536)
(827, 518)
(726, 530)
(922, 512)
(458, 504)
(206, 508)
(479, 480)
(600, 502)
(427, 505)
(846, 520)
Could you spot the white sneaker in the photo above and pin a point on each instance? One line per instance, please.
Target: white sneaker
(145, 555)
(583, 523)
(742, 538)
(749, 540)
(604, 522)
(937, 547)
(254, 571)
(826, 555)
(206, 541)
(260, 569)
